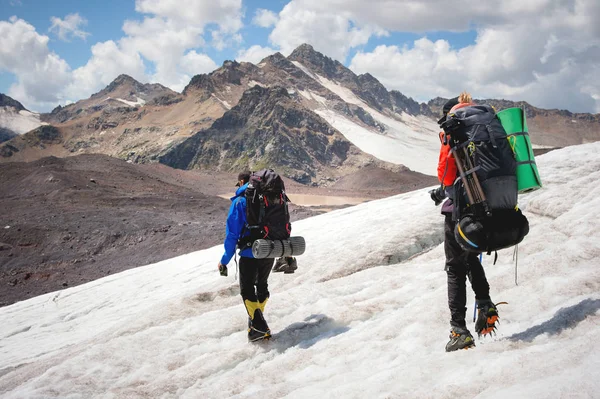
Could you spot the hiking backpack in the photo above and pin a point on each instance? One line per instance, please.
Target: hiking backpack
(267, 215)
(485, 194)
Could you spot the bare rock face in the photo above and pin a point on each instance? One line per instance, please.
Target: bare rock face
(407, 104)
(6, 101)
(6, 134)
(266, 128)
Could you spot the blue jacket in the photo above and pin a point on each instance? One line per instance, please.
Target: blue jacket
(236, 220)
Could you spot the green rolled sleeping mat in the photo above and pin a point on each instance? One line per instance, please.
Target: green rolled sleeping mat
(513, 121)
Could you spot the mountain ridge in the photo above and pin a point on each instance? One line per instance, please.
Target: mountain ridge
(142, 123)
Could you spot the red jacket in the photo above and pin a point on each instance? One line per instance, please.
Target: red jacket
(446, 166)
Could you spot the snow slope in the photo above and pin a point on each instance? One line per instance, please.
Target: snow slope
(19, 121)
(364, 316)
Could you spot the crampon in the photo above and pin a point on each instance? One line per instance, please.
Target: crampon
(487, 318)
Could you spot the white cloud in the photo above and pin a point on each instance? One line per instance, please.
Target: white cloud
(69, 27)
(432, 15)
(264, 18)
(163, 42)
(553, 63)
(254, 54)
(192, 64)
(226, 14)
(40, 74)
(175, 27)
(108, 61)
(331, 31)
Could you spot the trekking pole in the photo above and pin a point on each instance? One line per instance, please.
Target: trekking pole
(461, 171)
(478, 191)
(471, 181)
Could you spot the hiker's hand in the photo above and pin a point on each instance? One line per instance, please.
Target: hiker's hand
(222, 269)
(437, 195)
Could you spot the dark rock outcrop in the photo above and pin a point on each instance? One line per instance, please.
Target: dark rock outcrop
(266, 127)
(6, 101)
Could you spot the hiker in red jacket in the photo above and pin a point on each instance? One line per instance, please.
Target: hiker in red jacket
(460, 264)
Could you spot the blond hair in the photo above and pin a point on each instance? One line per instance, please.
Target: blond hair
(465, 97)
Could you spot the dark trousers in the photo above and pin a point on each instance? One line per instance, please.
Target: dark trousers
(254, 274)
(461, 264)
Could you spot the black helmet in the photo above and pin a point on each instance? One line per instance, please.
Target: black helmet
(447, 107)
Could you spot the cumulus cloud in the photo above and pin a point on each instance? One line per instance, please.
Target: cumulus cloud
(191, 64)
(194, 63)
(165, 42)
(254, 54)
(40, 74)
(175, 27)
(225, 14)
(331, 31)
(550, 64)
(108, 61)
(264, 18)
(67, 28)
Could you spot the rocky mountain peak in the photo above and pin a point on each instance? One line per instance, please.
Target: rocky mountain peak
(276, 60)
(122, 80)
(273, 58)
(306, 51)
(200, 82)
(230, 72)
(6, 101)
(374, 90)
(323, 65)
(408, 105)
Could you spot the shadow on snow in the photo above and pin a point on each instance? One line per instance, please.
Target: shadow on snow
(307, 333)
(563, 319)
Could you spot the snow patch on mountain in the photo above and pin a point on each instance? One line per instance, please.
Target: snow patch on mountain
(418, 156)
(139, 103)
(407, 140)
(223, 102)
(19, 121)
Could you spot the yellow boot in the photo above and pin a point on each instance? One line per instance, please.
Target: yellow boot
(261, 305)
(257, 326)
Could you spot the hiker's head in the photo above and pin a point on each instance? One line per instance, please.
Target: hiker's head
(243, 178)
(465, 98)
(447, 107)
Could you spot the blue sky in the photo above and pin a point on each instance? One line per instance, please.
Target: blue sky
(55, 52)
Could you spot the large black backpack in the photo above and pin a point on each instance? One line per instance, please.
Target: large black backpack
(267, 215)
(485, 196)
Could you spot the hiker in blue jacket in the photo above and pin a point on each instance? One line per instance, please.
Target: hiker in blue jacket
(254, 273)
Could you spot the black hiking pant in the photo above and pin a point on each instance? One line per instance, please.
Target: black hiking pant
(461, 264)
(254, 274)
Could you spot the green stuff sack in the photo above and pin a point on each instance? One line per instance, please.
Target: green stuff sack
(514, 123)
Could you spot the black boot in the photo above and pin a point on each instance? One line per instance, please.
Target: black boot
(257, 326)
(258, 329)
